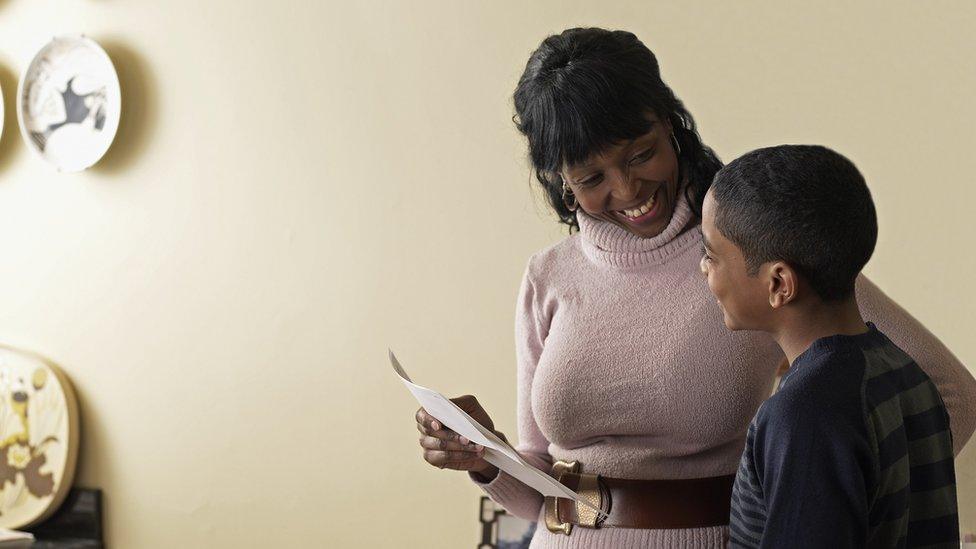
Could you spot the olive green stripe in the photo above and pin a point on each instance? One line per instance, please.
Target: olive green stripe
(875, 368)
(891, 531)
(932, 504)
(881, 360)
(933, 448)
(886, 417)
(894, 478)
(920, 398)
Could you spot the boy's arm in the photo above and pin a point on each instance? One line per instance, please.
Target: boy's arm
(955, 383)
(814, 478)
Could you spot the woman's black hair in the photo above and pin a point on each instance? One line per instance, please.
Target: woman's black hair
(586, 89)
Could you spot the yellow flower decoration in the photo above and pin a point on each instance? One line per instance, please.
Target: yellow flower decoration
(39, 378)
(18, 456)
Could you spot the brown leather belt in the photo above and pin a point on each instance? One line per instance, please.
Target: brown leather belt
(645, 504)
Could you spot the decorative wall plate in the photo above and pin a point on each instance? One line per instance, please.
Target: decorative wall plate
(38, 438)
(69, 102)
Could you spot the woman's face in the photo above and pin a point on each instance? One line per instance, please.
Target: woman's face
(633, 184)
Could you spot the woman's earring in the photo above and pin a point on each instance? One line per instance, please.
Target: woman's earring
(567, 194)
(675, 144)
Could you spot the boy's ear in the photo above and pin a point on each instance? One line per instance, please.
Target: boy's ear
(783, 284)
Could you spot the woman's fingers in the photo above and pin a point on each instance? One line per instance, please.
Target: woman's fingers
(427, 425)
(446, 449)
(446, 459)
(469, 465)
(434, 443)
(444, 434)
(428, 421)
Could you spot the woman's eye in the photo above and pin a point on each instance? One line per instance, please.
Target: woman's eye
(592, 181)
(642, 157)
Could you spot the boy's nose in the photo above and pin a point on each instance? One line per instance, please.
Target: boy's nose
(703, 265)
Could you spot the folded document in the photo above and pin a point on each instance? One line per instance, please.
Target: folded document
(14, 539)
(497, 452)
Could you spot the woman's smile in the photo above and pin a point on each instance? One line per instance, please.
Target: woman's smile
(642, 213)
(648, 213)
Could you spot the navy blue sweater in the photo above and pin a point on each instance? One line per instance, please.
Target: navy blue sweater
(854, 450)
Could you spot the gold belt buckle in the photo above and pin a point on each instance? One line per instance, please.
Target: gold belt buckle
(588, 487)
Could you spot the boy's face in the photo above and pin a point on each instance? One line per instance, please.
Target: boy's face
(744, 299)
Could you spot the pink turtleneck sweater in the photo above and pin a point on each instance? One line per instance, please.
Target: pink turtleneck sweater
(625, 365)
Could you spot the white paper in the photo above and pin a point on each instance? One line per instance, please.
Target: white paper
(497, 451)
(15, 539)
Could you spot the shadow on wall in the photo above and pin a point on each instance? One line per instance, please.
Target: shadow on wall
(94, 442)
(10, 142)
(138, 108)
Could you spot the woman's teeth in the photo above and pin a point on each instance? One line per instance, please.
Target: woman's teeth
(643, 209)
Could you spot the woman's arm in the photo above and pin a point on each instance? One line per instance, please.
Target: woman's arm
(955, 383)
(530, 334)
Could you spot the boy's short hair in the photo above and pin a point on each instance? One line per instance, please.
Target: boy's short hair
(803, 204)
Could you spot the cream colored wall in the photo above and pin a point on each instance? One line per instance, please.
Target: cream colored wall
(297, 186)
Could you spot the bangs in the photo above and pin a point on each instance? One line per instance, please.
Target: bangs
(584, 114)
(586, 91)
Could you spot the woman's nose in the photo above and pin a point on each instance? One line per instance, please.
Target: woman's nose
(703, 265)
(625, 188)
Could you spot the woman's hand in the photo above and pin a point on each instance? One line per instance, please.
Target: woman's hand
(445, 449)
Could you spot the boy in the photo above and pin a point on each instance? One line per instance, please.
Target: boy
(854, 450)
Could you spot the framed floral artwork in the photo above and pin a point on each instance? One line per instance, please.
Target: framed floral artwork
(39, 430)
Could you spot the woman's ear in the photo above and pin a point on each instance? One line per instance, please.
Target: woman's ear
(783, 284)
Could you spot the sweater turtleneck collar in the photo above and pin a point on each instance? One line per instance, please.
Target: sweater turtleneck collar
(604, 242)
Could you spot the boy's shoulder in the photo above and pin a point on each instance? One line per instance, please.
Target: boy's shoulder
(822, 384)
(844, 382)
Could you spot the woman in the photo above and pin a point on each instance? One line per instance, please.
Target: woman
(624, 363)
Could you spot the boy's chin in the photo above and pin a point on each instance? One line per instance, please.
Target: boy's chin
(738, 325)
(734, 324)
(737, 322)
